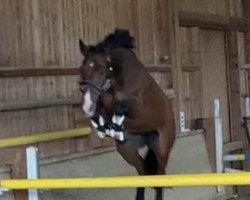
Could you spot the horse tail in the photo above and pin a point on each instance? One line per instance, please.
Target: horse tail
(150, 163)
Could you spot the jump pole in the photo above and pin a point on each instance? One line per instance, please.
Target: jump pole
(132, 181)
(237, 157)
(43, 137)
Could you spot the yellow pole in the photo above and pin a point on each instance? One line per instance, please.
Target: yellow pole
(133, 181)
(43, 137)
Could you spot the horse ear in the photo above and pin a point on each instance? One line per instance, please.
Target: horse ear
(83, 47)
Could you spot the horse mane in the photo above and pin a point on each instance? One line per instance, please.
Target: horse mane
(119, 38)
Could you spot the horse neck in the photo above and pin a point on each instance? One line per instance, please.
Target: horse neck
(130, 69)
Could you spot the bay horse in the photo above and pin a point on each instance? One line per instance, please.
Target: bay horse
(124, 102)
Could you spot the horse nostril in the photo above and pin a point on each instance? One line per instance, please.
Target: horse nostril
(82, 89)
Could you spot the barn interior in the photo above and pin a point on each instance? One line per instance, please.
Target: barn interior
(196, 50)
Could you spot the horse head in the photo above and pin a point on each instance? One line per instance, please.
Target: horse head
(99, 70)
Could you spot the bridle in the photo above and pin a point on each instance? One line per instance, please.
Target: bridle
(105, 86)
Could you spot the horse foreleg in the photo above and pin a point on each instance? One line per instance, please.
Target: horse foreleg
(131, 155)
(98, 124)
(163, 148)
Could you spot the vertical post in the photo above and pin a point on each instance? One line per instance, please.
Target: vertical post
(247, 107)
(218, 141)
(182, 122)
(32, 170)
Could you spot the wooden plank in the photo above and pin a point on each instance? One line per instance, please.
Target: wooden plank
(190, 68)
(232, 146)
(247, 47)
(58, 120)
(38, 72)
(190, 52)
(162, 31)
(128, 19)
(208, 126)
(214, 77)
(221, 7)
(246, 67)
(61, 71)
(146, 39)
(233, 57)
(42, 103)
(213, 22)
(159, 68)
(195, 80)
(16, 159)
(36, 33)
(61, 158)
(186, 99)
(176, 61)
(246, 8)
(190, 62)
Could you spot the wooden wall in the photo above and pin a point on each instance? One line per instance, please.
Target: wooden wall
(215, 15)
(232, 8)
(198, 48)
(43, 35)
(39, 46)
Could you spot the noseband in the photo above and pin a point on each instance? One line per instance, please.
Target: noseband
(105, 86)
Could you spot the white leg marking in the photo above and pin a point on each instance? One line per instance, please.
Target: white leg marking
(107, 132)
(100, 134)
(101, 121)
(88, 103)
(118, 119)
(120, 136)
(110, 132)
(94, 124)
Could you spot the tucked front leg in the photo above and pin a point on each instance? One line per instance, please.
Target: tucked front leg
(118, 118)
(98, 123)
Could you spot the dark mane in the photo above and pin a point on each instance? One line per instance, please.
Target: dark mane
(119, 38)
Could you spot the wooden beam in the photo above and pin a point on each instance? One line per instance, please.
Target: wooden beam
(38, 72)
(232, 146)
(245, 67)
(43, 103)
(190, 68)
(4, 72)
(214, 22)
(62, 158)
(164, 68)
